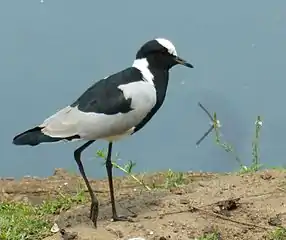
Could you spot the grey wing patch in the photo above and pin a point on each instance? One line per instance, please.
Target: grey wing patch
(71, 120)
(61, 124)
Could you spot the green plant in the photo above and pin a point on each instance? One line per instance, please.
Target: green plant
(278, 234)
(61, 203)
(127, 168)
(173, 179)
(255, 165)
(255, 145)
(210, 236)
(20, 220)
(223, 144)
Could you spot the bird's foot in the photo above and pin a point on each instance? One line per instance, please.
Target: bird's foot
(94, 212)
(117, 218)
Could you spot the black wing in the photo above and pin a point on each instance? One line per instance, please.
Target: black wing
(105, 97)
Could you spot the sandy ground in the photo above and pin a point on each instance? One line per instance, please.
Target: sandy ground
(237, 206)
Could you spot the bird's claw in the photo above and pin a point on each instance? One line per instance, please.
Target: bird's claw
(94, 212)
(117, 218)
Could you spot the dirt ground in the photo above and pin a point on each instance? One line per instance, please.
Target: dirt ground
(237, 206)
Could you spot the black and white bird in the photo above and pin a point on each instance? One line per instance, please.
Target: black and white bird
(116, 106)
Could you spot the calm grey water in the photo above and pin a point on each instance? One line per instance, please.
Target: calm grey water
(51, 52)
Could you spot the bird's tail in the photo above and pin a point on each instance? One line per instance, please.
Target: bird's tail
(33, 137)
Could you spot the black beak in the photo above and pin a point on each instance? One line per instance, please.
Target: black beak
(183, 62)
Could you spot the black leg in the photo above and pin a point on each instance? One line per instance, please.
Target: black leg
(94, 202)
(110, 181)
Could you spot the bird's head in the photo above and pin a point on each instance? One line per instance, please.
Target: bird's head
(161, 53)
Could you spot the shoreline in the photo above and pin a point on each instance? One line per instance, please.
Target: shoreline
(182, 206)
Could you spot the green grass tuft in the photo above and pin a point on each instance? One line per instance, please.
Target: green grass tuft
(20, 221)
(278, 234)
(61, 203)
(174, 179)
(210, 236)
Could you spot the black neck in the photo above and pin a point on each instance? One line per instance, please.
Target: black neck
(161, 79)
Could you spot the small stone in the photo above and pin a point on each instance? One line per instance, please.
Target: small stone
(266, 176)
(216, 209)
(245, 230)
(184, 201)
(139, 226)
(275, 221)
(25, 199)
(176, 191)
(176, 230)
(55, 228)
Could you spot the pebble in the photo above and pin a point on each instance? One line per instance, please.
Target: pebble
(151, 232)
(184, 201)
(55, 228)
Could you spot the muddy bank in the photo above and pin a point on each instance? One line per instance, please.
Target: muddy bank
(234, 206)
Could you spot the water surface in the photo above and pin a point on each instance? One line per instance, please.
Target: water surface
(52, 51)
